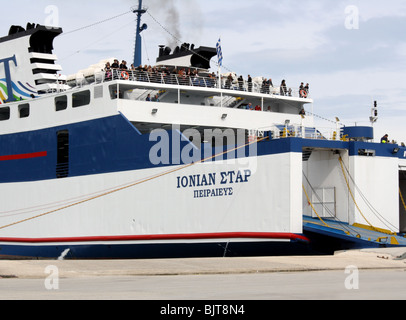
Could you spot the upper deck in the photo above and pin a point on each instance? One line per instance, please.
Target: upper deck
(156, 100)
(197, 99)
(203, 82)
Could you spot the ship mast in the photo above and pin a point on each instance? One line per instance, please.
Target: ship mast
(138, 45)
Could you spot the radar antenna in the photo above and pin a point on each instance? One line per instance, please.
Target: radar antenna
(374, 113)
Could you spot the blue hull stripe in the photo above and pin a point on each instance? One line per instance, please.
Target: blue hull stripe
(100, 146)
(113, 144)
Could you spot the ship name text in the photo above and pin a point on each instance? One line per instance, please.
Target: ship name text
(222, 179)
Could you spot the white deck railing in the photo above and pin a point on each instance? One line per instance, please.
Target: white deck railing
(197, 80)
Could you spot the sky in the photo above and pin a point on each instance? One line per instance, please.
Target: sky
(350, 52)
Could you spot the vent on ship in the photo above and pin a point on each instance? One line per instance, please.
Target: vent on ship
(306, 154)
(62, 166)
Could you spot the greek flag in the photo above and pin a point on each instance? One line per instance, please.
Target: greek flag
(219, 53)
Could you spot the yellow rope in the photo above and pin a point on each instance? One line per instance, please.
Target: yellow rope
(401, 197)
(129, 186)
(308, 200)
(352, 195)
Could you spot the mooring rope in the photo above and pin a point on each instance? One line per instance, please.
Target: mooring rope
(130, 185)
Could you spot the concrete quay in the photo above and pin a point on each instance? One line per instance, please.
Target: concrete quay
(367, 259)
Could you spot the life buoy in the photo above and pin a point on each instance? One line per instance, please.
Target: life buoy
(125, 75)
(303, 93)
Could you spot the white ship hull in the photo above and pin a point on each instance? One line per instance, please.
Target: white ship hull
(227, 203)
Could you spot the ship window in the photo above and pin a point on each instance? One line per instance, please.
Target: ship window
(366, 153)
(4, 114)
(24, 110)
(61, 103)
(113, 92)
(80, 99)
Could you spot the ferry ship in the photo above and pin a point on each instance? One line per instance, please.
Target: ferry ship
(175, 161)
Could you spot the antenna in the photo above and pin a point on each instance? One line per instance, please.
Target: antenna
(374, 113)
(138, 43)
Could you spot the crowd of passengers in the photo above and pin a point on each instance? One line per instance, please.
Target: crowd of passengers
(166, 75)
(190, 76)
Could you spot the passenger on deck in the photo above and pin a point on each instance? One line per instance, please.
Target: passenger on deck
(229, 81)
(148, 98)
(249, 106)
(385, 139)
(114, 69)
(165, 72)
(307, 89)
(241, 83)
(249, 83)
(115, 64)
(283, 89)
(213, 80)
(301, 90)
(257, 108)
(108, 72)
(123, 65)
(115, 96)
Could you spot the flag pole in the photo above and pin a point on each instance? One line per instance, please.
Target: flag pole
(221, 91)
(220, 62)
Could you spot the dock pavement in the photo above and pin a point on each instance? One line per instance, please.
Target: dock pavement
(366, 259)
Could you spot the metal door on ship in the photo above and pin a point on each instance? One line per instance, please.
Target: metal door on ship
(324, 202)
